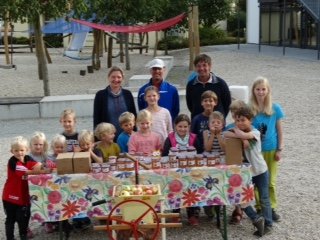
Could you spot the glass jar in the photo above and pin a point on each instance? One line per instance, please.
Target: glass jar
(183, 163)
(121, 164)
(129, 165)
(165, 163)
(112, 159)
(155, 162)
(211, 160)
(173, 163)
(199, 160)
(191, 161)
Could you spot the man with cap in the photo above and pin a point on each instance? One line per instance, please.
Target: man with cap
(169, 97)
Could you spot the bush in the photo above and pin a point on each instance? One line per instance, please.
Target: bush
(232, 24)
(53, 40)
(173, 42)
(211, 36)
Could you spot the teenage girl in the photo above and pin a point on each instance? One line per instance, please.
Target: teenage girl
(268, 120)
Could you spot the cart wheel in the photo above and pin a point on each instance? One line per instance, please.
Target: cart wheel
(134, 225)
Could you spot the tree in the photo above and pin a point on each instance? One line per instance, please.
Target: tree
(32, 11)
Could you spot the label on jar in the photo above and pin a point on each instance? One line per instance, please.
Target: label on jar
(121, 166)
(174, 164)
(191, 162)
(113, 167)
(211, 161)
(183, 163)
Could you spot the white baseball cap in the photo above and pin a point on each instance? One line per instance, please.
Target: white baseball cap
(156, 63)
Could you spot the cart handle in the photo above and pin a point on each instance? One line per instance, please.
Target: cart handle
(127, 155)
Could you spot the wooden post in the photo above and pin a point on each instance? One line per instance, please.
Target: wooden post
(191, 47)
(196, 38)
(110, 53)
(155, 45)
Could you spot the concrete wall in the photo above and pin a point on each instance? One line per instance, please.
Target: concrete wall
(252, 21)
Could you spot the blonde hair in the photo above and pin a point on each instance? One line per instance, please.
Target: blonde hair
(19, 141)
(216, 115)
(58, 139)
(40, 136)
(236, 104)
(267, 107)
(86, 136)
(209, 94)
(102, 128)
(144, 115)
(68, 112)
(126, 117)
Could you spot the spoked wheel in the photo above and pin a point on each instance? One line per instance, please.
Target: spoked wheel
(134, 225)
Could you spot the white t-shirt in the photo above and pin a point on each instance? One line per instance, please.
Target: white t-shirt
(254, 155)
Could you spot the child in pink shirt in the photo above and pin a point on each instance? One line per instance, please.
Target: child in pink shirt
(144, 140)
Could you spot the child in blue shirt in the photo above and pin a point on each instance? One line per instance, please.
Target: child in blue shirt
(127, 123)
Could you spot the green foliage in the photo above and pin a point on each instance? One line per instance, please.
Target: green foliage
(211, 35)
(232, 23)
(212, 11)
(173, 42)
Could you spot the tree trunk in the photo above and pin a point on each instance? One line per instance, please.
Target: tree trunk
(122, 37)
(5, 39)
(155, 45)
(127, 51)
(166, 45)
(110, 44)
(41, 57)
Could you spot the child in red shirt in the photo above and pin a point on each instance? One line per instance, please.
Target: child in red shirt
(15, 197)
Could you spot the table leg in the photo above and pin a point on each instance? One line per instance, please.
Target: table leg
(225, 224)
(60, 230)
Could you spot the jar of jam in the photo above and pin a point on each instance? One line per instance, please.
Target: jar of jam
(183, 163)
(113, 167)
(129, 165)
(191, 160)
(121, 164)
(165, 163)
(191, 151)
(199, 160)
(155, 162)
(112, 159)
(173, 163)
(211, 160)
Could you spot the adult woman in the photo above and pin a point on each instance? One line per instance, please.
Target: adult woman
(110, 102)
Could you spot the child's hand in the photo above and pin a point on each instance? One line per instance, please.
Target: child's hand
(277, 156)
(245, 143)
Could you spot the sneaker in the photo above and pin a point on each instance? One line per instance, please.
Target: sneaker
(267, 230)
(30, 234)
(49, 227)
(275, 216)
(193, 221)
(259, 224)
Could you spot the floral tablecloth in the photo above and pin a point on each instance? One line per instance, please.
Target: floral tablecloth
(56, 198)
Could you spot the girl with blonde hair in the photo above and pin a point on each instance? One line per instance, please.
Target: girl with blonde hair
(268, 120)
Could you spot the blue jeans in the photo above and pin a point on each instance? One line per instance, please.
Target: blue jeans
(261, 182)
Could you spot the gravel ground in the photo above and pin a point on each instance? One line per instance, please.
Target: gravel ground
(295, 85)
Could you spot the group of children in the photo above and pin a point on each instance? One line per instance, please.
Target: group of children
(206, 132)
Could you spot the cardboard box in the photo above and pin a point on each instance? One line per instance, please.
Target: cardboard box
(233, 151)
(64, 163)
(73, 162)
(81, 162)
